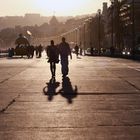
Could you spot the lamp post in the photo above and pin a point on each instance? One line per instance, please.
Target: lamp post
(99, 35)
(112, 23)
(118, 25)
(84, 28)
(133, 28)
(79, 35)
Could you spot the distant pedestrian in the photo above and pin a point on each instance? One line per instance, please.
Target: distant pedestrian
(52, 53)
(11, 52)
(36, 50)
(32, 50)
(76, 50)
(40, 49)
(91, 51)
(65, 51)
(81, 51)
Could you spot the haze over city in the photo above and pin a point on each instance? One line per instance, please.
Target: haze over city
(69, 69)
(47, 7)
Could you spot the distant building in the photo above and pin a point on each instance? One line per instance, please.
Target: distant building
(33, 16)
(105, 7)
(54, 21)
(122, 23)
(127, 18)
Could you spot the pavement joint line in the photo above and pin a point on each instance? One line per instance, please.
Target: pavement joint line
(53, 128)
(131, 125)
(9, 104)
(130, 84)
(44, 128)
(134, 68)
(11, 76)
(15, 74)
(5, 80)
(96, 93)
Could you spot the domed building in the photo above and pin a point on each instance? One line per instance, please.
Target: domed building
(54, 21)
(54, 26)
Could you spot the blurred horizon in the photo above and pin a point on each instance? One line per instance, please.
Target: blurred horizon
(50, 8)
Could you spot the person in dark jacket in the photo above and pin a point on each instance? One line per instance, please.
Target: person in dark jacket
(76, 50)
(64, 51)
(52, 53)
(40, 48)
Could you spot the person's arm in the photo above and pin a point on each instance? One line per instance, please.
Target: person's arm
(70, 52)
(47, 50)
(70, 56)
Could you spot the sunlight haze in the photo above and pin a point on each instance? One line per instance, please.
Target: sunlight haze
(50, 7)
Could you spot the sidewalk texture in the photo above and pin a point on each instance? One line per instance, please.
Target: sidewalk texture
(100, 99)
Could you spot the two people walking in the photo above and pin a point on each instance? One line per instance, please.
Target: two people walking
(53, 52)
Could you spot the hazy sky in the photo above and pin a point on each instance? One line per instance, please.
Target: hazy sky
(47, 7)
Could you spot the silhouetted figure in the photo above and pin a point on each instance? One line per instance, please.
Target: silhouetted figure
(81, 51)
(40, 48)
(28, 51)
(36, 51)
(67, 90)
(10, 52)
(91, 51)
(52, 53)
(64, 51)
(50, 90)
(32, 50)
(76, 50)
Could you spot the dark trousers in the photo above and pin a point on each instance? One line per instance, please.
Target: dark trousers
(52, 68)
(64, 66)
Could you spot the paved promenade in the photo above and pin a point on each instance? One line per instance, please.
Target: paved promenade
(99, 100)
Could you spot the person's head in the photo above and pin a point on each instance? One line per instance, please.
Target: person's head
(52, 42)
(63, 39)
(20, 35)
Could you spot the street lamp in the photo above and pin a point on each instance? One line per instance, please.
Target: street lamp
(112, 23)
(76, 35)
(79, 37)
(99, 35)
(84, 28)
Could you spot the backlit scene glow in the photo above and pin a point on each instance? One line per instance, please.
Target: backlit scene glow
(48, 7)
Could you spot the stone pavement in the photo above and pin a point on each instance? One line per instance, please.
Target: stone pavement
(100, 100)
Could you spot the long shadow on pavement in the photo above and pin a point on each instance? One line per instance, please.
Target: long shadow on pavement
(50, 89)
(67, 91)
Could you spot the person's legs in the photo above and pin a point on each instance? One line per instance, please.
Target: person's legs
(64, 68)
(54, 68)
(77, 54)
(51, 68)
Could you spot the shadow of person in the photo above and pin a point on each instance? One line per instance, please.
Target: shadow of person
(67, 90)
(50, 89)
(79, 57)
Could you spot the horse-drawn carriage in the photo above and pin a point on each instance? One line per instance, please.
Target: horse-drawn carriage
(23, 47)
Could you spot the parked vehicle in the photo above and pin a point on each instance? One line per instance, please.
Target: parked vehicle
(126, 52)
(94, 51)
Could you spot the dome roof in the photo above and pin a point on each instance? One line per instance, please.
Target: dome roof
(54, 21)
